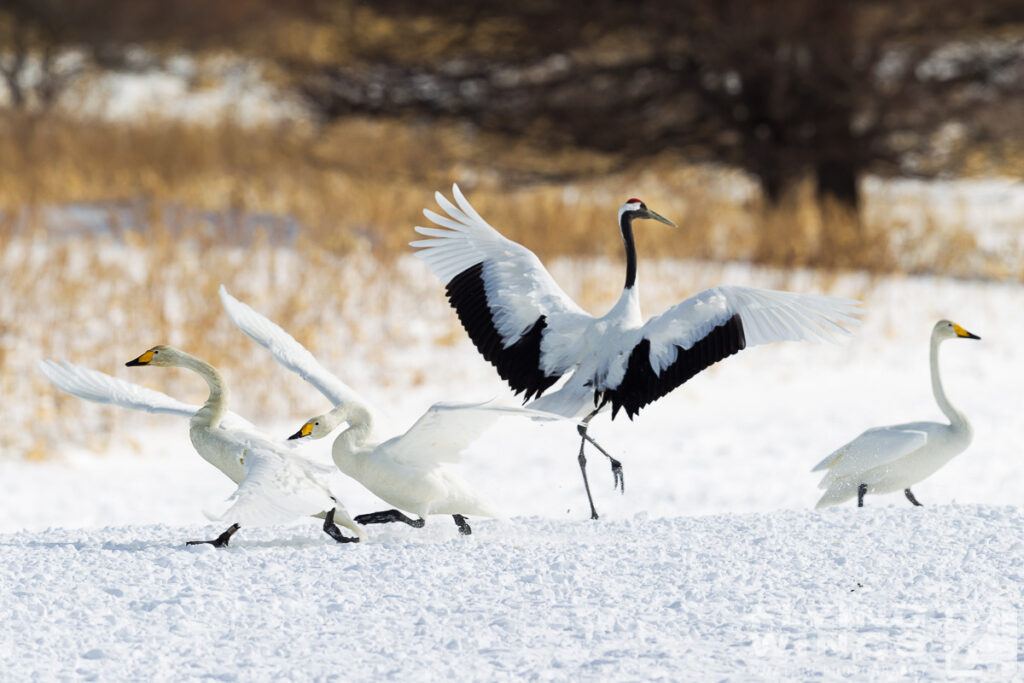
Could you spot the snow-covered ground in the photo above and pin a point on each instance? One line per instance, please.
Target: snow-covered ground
(712, 565)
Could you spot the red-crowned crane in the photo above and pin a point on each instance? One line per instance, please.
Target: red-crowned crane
(534, 334)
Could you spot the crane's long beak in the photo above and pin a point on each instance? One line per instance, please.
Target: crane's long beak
(658, 217)
(304, 430)
(144, 359)
(964, 334)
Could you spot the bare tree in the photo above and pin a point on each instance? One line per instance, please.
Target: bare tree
(785, 89)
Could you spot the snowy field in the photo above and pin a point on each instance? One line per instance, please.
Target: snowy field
(712, 565)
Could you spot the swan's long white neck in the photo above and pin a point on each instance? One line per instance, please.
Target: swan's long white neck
(216, 405)
(956, 417)
(348, 442)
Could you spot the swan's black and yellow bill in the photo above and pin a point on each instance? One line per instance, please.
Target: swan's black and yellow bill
(964, 334)
(304, 430)
(144, 359)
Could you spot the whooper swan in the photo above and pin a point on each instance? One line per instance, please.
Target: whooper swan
(275, 483)
(410, 471)
(887, 459)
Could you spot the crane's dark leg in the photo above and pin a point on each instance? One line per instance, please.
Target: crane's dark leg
(910, 496)
(861, 490)
(582, 459)
(388, 516)
(221, 541)
(463, 525)
(332, 530)
(619, 480)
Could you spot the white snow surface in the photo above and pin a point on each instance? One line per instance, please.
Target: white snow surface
(711, 566)
(886, 593)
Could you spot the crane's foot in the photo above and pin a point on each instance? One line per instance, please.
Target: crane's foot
(460, 522)
(619, 481)
(221, 541)
(910, 496)
(332, 530)
(861, 491)
(388, 516)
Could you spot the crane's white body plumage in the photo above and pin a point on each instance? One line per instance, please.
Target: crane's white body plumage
(894, 458)
(599, 351)
(410, 471)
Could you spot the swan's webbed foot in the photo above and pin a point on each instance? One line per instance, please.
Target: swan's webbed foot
(861, 491)
(910, 496)
(460, 521)
(221, 541)
(332, 530)
(388, 516)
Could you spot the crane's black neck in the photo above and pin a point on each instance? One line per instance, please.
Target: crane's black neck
(627, 237)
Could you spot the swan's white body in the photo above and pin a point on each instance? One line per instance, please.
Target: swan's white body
(276, 484)
(410, 471)
(894, 458)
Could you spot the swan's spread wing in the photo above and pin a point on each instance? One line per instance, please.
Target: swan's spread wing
(673, 347)
(505, 298)
(277, 488)
(873, 448)
(99, 387)
(286, 350)
(443, 432)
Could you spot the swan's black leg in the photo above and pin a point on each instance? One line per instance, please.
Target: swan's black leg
(910, 496)
(861, 490)
(332, 530)
(619, 481)
(221, 541)
(388, 516)
(460, 521)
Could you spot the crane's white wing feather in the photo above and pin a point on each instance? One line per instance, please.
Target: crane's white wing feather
(99, 387)
(671, 348)
(767, 316)
(445, 430)
(287, 350)
(278, 488)
(518, 287)
(874, 448)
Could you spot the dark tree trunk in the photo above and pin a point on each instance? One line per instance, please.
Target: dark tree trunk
(837, 178)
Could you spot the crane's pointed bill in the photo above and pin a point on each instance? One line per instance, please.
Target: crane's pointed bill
(144, 359)
(964, 334)
(304, 430)
(658, 217)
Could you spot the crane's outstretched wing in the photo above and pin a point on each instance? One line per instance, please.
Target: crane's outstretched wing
(99, 387)
(445, 430)
(277, 489)
(287, 351)
(505, 298)
(873, 448)
(714, 324)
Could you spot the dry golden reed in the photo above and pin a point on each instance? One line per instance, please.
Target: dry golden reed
(175, 199)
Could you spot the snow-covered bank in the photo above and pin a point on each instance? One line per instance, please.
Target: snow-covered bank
(885, 592)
